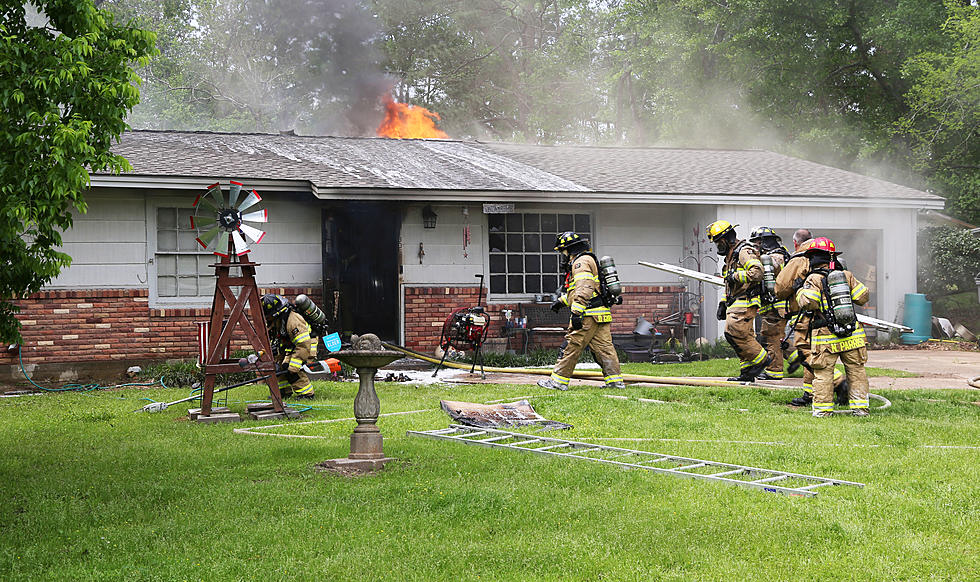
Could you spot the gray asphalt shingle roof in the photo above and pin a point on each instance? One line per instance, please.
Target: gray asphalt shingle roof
(376, 163)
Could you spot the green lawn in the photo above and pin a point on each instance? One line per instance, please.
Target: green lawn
(93, 491)
(728, 367)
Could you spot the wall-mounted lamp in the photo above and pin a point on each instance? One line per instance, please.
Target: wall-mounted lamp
(429, 217)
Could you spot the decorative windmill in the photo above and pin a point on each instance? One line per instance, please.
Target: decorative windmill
(221, 229)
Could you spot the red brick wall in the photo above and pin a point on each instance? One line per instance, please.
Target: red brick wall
(426, 309)
(111, 324)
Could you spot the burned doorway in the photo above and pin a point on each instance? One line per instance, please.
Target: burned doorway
(360, 268)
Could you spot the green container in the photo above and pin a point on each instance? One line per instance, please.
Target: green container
(918, 316)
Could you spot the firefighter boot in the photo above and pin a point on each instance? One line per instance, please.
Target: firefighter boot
(795, 362)
(750, 373)
(841, 398)
(805, 400)
(551, 384)
(616, 385)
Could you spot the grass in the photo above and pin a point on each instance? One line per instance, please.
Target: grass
(728, 367)
(93, 491)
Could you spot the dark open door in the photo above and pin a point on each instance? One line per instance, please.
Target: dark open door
(360, 268)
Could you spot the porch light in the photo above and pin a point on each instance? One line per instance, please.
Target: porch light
(429, 217)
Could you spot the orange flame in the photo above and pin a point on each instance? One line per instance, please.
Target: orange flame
(409, 121)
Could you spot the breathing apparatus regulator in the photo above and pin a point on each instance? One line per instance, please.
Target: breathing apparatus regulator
(840, 315)
(768, 278)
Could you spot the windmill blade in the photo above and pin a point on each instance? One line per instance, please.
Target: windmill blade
(203, 222)
(252, 233)
(241, 247)
(221, 248)
(236, 188)
(208, 237)
(211, 199)
(257, 216)
(251, 200)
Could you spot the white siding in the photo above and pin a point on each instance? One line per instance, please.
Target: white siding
(444, 263)
(107, 244)
(112, 243)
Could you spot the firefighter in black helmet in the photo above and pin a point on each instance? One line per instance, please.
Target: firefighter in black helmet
(742, 270)
(290, 330)
(590, 320)
(773, 310)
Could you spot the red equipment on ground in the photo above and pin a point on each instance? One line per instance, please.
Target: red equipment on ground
(465, 329)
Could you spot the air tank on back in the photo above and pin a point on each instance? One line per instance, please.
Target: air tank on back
(309, 310)
(768, 275)
(607, 270)
(840, 298)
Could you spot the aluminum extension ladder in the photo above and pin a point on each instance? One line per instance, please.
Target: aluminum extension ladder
(751, 477)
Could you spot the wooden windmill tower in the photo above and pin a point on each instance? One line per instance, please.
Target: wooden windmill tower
(220, 222)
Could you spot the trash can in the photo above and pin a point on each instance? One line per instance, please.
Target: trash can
(918, 316)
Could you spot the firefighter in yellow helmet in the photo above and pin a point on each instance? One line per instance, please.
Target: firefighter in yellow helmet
(591, 318)
(742, 270)
(288, 329)
(788, 282)
(830, 293)
(773, 310)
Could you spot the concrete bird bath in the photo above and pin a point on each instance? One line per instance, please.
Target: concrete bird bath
(366, 453)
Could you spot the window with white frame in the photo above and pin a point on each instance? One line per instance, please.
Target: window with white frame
(522, 255)
(182, 270)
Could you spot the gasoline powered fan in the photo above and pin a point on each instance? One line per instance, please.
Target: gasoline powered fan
(219, 219)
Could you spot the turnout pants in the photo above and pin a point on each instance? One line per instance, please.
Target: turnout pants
(823, 377)
(802, 344)
(773, 330)
(740, 333)
(598, 337)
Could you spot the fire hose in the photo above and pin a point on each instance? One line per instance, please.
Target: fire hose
(632, 378)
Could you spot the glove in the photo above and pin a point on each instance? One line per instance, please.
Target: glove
(619, 300)
(556, 306)
(722, 311)
(732, 278)
(576, 321)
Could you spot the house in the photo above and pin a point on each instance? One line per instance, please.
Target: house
(347, 226)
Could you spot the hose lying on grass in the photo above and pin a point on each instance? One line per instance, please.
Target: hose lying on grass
(633, 378)
(81, 387)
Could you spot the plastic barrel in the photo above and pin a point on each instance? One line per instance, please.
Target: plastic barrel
(918, 316)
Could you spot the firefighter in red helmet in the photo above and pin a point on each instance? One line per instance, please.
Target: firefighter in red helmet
(830, 293)
(742, 270)
(591, 318)
(788, 282)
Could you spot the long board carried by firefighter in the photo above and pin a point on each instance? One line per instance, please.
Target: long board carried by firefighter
(718, 281)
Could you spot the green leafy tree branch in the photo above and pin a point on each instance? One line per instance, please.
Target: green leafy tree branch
(66, 86)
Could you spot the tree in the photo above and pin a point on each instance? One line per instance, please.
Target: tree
(950, 260)
(65, 89)
(943, 120)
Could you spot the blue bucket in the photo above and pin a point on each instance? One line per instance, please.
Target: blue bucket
(918, 316)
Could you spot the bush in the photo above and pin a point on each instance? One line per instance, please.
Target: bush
(949, 261)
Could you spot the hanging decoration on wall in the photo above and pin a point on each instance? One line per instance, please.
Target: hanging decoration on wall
(466, 230)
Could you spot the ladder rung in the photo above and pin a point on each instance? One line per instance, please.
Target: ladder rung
(623, 454)
(580, 451)
(732, 472)
(527, 442)
(815, 485)
(558, 446)
(492, 439)
(770, 479)
(658, 460)
(694, 466)
(472, 434)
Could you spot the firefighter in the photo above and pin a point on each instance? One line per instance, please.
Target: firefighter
(288, 329)
(591, 318)
(773, 310)
(830, 293)
(742, 270)
(788, 282)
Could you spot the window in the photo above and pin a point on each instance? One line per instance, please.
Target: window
(181, 263)
(522, 255)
